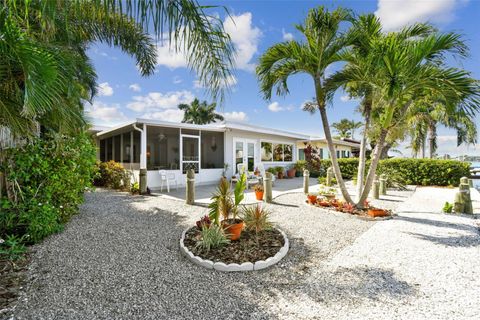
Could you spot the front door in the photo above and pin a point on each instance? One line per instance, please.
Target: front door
(245, 152)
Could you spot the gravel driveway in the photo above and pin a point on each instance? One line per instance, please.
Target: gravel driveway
(119, 259)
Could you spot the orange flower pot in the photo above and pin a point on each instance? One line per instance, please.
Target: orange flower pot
(259, 195)
(312, 199)
(233, 231)
(377, 212)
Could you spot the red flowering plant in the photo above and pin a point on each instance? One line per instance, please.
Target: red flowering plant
(204, 222)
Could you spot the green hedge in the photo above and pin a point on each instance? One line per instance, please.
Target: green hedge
(425, 172)
(48, 178)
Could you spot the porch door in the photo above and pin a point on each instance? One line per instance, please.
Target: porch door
(245, 152)
(190, 152)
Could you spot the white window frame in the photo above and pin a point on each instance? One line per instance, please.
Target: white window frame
(198, 161)
(294, 150)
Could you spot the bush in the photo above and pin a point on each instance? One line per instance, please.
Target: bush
(47, 180)
(111, 174)
(426, 172)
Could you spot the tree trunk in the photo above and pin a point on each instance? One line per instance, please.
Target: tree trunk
(363, 153)
(423, 147)
(373, 168)
(432, 140)
(385, 149)
(333, 155)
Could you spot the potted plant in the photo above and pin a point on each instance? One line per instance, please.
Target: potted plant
(258, 191)
(376, 212)
(272, 170)
(225, 204)
(312, 198)
(279, 171)
(328, 192)
(299, 167)
(291, 172)
(323, 202)
(256, 171)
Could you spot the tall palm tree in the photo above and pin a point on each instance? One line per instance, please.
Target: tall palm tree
(343, 128)
(199, 112)
(46, 75)
(321, 48)
(354, 125)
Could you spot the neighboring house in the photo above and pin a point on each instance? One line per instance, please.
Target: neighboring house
(345, 148)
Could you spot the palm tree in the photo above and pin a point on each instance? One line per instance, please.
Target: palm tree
(343, 128)
(46, 75)
(199, 113)
(321, 48)
(408, 70)
(354, 125)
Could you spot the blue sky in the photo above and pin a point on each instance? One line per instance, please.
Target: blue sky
(125, 95)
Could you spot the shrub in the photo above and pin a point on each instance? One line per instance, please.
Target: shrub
(111, 174)
(256, 218)
(426, 172)
(448, 207)
(212, 237)
(47, 179)
(135, 188)
(12, 247)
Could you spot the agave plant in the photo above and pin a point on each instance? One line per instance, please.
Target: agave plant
(256, 218)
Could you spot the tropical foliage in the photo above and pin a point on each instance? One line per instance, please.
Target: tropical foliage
(111, 174)
(47, 179)
(199, 112)
(346, 128)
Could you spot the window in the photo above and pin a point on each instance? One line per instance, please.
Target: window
(320, 154)
(301, 154)
(212, 150)
(163, 148)
(338, 154)
(276, 152)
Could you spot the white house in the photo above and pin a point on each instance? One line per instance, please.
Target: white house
(158, 145)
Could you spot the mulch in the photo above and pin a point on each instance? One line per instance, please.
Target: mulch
(249, 248)
(12, 277)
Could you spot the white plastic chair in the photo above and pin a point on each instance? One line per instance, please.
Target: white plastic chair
(261, 168)
(165, 178)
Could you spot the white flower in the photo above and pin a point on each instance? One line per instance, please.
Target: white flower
(39, 203)
(2, 241)
(61, 207)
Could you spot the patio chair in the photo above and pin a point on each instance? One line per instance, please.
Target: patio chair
(241, 168)
(165, 178)
(261, 168)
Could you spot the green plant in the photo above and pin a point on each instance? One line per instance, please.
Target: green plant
(448, 207)
(111, 174)
(272, 170)
(327, 190)
(279, 169)
(224, 203)
(49, 177)
(256, 218)
(239, 193)
(323, 180)
(211, 237)
(12, 247)
(135, 188)
(258, 188)
(300, 165)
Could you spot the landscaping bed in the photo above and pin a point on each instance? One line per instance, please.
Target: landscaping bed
(12, 277)
(249, 248)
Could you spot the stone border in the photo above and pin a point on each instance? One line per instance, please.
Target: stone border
(232, 267)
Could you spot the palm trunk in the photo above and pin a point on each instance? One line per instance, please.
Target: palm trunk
(333, 155)
(373, 168)
(432, 140)
(363, 153)
(423, 147)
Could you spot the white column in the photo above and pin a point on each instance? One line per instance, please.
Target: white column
(143, 149)
(121, 148)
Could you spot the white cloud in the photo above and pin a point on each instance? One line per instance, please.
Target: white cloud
(287, 36)
(245, 38)
(235, 116)
(177, 80)
(135, 87)
(155, 101)
(104, 89)
(102, 113)
(275, 107)
(172, 115)
(230, 81)
(395, 14)
(168, 57)
(347, 98)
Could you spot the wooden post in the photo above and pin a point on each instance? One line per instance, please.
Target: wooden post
(376, 189)
(190, 187)
(470, 183)
(383, 184)
(306, 178)
(267, 186)
(329, 177)
(463, 180)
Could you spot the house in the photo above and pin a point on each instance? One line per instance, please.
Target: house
(345, 148)
(159, 145)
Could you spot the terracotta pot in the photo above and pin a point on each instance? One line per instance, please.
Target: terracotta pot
(259, 195)
(291, 173)
(280, 175)
(323, 203)
(377, 212)
(233, 230)
(312, 199)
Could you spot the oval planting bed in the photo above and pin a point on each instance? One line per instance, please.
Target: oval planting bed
(250, 252)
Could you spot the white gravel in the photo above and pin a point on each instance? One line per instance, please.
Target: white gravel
(119, 259)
